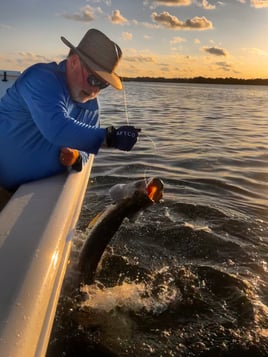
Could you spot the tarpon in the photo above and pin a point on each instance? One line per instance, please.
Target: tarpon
(129, 200)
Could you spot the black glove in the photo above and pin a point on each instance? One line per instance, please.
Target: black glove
(123, 138)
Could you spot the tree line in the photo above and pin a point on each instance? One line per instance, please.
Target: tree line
(229, 80)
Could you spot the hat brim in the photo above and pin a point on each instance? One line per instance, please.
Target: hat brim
(111, 78)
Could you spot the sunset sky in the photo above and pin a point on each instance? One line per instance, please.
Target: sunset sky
(159, 38)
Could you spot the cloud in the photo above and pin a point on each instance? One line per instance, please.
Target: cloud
(148, 25)
(215, 51)
(259, 3)
(256, 51)
(5, 27)
(172, 3)
(117, 18)
(21, 60)
(205, 5)
(133, 56)
(127, 36)
(140, 59)
(156, 3)
(170, 21)
(176, 40)
(31, 57)
(107, 2)
(198, 23)
(164, 67)
(86, 14)
(224, 66)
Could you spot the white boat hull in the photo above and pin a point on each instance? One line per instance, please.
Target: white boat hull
(36, 230)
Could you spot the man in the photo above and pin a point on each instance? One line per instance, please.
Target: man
(49, 118)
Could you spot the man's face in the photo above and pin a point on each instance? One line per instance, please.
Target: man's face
(81, 91)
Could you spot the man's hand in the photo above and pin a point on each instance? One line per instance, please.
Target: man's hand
(123, 138)
(68, 157)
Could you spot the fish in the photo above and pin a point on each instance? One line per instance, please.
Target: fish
(129, 200)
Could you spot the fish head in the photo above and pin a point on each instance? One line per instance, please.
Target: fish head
(155, 189)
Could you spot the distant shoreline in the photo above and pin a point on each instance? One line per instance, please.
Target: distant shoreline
(230, 80)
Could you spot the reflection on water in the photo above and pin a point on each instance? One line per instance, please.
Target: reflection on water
(189, 278)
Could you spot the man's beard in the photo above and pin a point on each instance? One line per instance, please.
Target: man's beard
(81, 96)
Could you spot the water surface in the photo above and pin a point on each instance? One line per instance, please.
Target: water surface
(189, 278)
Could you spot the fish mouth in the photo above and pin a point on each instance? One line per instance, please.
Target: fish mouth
(155, 189)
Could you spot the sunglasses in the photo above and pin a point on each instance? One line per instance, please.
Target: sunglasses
(93, 80)
(96, 82)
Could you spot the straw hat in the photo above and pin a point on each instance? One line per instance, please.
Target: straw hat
(100, 54)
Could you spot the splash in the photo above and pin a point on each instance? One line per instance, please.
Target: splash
(135, 297)
(198, 226)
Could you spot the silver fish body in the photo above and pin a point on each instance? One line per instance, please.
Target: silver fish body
(109, 221)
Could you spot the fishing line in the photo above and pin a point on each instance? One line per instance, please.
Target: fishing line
(124, 91)
(149, 138)
(142, 134)
(125, 105)
(127, 118)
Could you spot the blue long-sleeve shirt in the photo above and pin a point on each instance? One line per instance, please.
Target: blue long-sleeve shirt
(37, 118)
